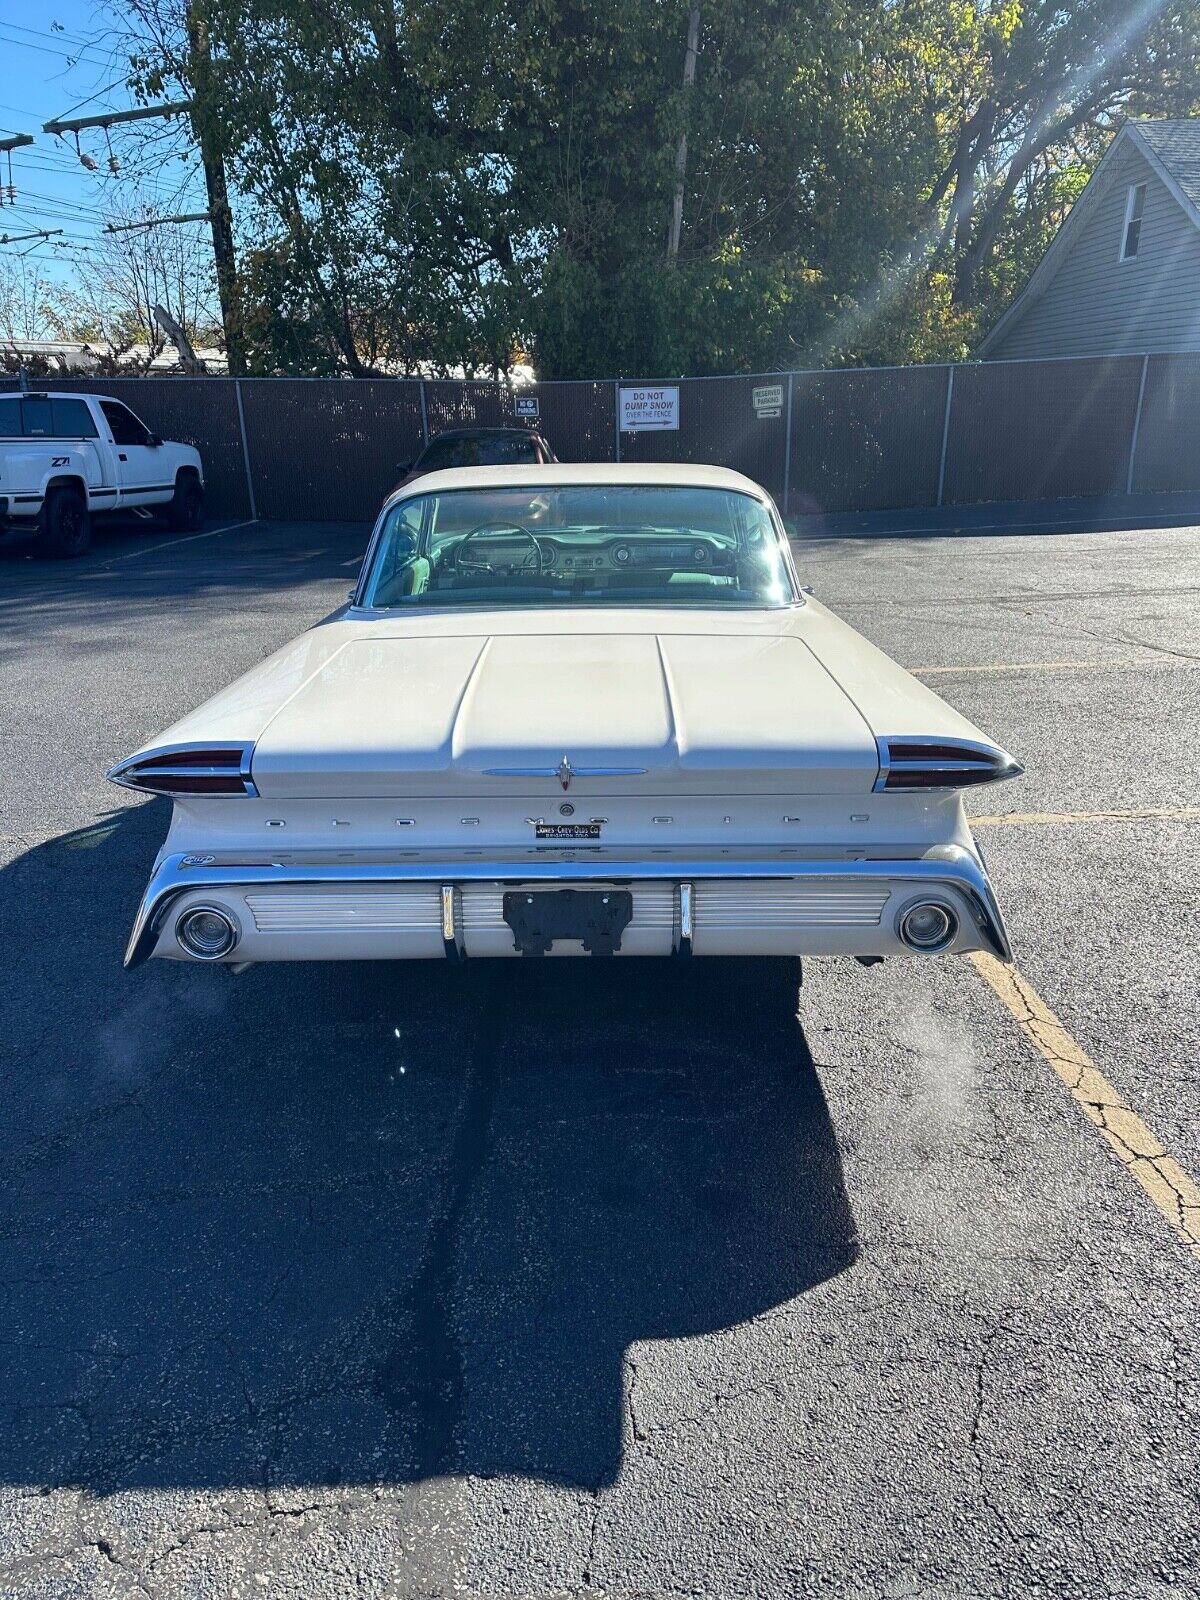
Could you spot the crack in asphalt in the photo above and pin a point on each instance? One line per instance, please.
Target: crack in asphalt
(1131, 1141)
(1141, 644)
(978, 1449)
(590, 1560)
(635, 1429)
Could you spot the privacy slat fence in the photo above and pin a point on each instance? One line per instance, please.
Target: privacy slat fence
(856, 440)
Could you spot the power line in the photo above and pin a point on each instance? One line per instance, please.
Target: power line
(48, 33)
(45, 164)
(118, 83)
(63, 201)
(47, 208)
(72, 58)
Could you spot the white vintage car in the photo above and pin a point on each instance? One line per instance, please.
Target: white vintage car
(569, 710)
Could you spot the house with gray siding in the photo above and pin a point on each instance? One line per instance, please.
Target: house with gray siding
(1123, 273)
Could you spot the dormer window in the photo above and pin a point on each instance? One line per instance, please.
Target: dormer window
(1131, 236)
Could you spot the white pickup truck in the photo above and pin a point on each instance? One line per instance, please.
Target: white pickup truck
(65, 458)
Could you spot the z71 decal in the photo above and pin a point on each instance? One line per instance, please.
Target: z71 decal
(60, 461)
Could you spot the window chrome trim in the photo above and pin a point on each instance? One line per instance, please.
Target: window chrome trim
(797, 598)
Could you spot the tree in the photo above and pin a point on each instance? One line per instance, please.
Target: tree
(26, 298)
(449, 184)
(129, 273)
(1029, 90)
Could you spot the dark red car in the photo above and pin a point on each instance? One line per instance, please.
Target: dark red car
(478, 447)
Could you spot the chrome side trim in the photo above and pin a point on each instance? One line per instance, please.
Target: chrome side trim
(555, 772)
(949, 865)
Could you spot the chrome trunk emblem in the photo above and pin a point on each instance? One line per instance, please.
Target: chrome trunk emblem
(564, 772)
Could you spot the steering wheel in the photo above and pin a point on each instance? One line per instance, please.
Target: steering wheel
(499, 527)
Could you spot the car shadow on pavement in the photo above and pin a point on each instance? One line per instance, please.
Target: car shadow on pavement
(134, 568)
(360, 1224)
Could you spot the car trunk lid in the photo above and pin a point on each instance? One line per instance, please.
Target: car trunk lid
(628, 713)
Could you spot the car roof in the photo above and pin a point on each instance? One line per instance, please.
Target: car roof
(483, 433)
(56, 394)
(565, 474)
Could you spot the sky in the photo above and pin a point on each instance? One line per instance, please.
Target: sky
(60, 58)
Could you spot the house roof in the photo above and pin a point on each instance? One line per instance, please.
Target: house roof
(1177, 147)
(1172, 150)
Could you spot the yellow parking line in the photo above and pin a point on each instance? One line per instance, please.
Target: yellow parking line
(1130, 1140)
(1179, 662)
(1032, 818)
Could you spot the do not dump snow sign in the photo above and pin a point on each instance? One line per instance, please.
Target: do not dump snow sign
(644, 409)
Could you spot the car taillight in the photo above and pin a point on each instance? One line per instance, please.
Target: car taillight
(914, 763)
(193, 769)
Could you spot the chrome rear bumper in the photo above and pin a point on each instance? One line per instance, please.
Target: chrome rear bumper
(835, 892)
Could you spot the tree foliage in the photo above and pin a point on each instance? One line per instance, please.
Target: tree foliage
(433, 184)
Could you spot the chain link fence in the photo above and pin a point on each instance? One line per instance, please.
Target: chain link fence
(867, 440)
(330, 449)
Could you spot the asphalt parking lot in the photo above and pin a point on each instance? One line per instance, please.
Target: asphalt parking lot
(609, 1280)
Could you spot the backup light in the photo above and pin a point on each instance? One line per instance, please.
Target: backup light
(207, 932)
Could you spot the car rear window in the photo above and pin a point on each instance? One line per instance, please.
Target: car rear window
(590, 544)
(508, 452)
(499, 450)
(41, 416)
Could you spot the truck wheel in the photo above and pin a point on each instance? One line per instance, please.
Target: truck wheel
(186, 511)
(66, 525)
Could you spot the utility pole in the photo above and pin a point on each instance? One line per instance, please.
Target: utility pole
(42, 233)
(219, 216)
(110, 118)
(689, 78)
(17, 142)
(212, 157)
(155, 222)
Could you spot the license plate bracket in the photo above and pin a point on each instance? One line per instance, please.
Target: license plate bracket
(596, 917)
